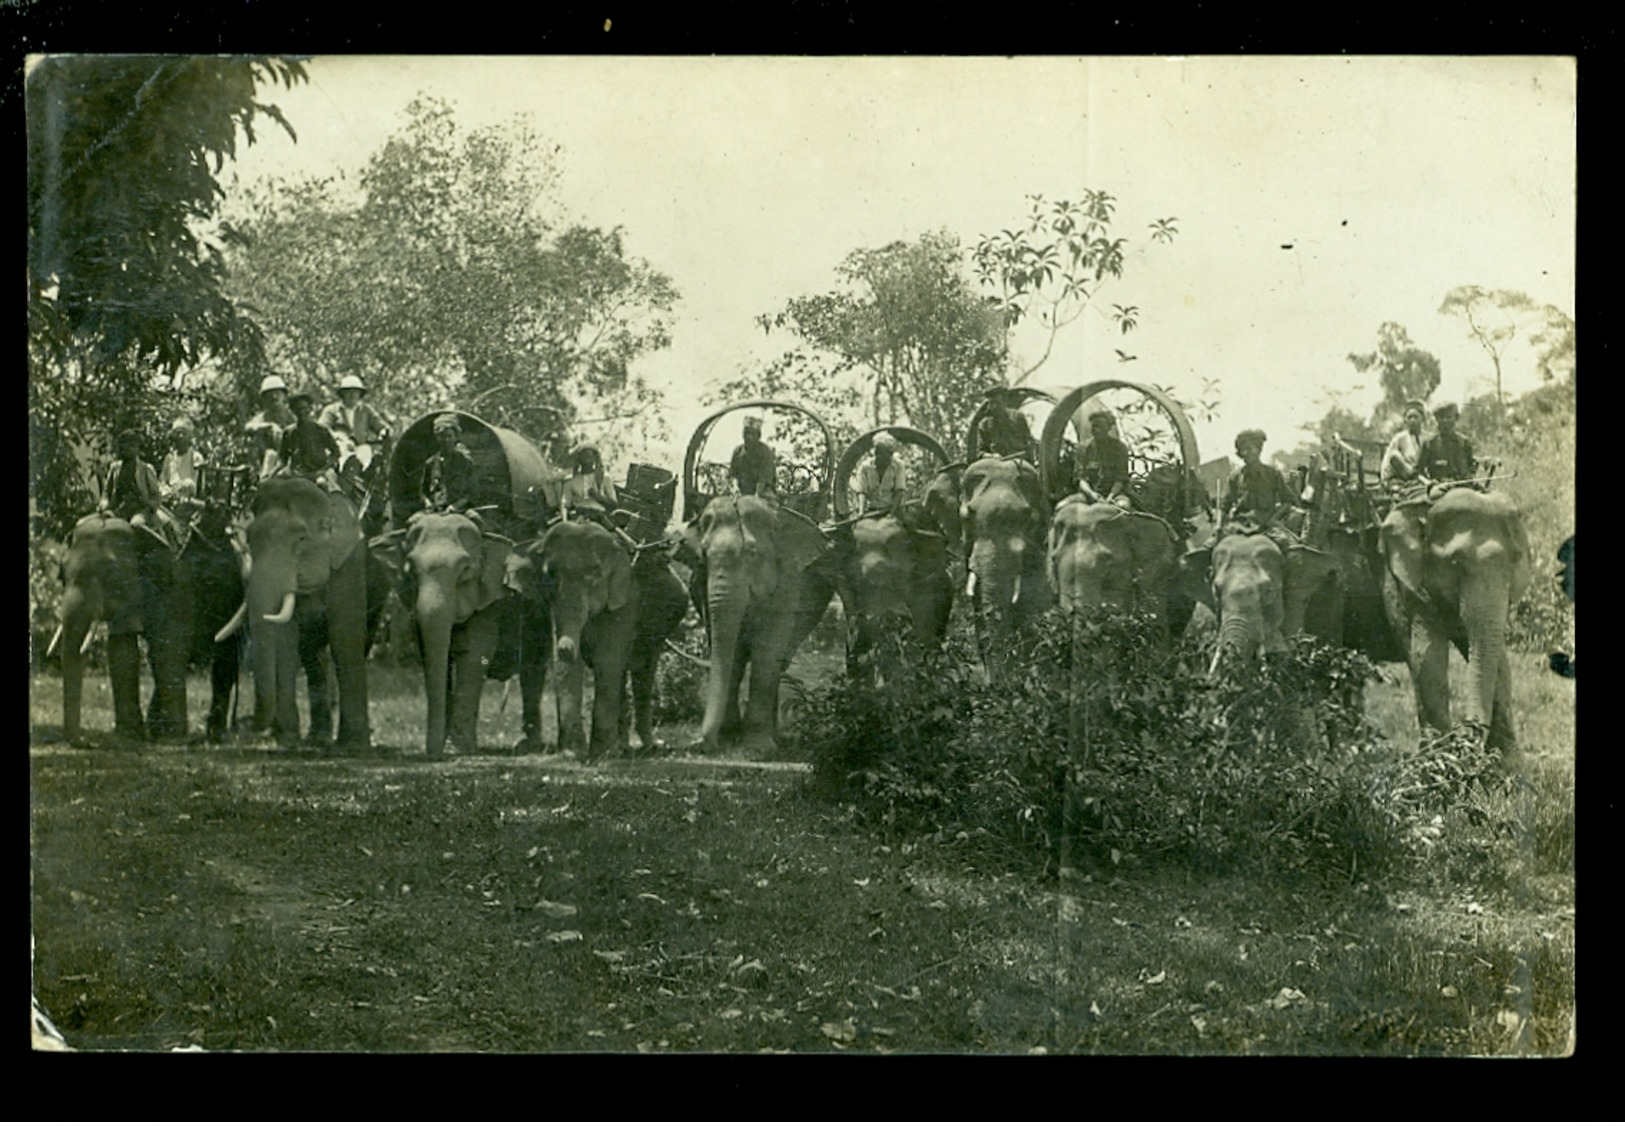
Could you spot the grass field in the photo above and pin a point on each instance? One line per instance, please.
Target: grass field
(233, 898)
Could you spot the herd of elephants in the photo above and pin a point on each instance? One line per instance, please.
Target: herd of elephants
(517, 586)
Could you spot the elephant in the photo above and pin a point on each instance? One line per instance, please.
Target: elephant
(1101, 556)
(1002, 519)
(455, 577)
(307, 593)
(1264, 595)
(176, 599)
(892, 569)
(610, 612)
(763, 581)
(1452, 576)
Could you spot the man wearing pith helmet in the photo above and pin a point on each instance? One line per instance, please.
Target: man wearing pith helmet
(267, 427)
(356, 425)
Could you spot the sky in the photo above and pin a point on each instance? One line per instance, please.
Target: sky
(1315, 197)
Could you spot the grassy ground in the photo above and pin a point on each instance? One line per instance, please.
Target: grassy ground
(238, 899)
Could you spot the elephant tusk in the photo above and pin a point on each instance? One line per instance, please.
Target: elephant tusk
(1015, 595)
(970, 584)
(56, 639)
(90, 635)
(234, 625)
(284, 614)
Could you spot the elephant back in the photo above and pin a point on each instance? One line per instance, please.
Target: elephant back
(511, 474)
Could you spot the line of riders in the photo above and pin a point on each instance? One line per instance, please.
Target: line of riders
(344, 449)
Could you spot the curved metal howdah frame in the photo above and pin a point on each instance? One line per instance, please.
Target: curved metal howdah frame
(1013, 397)
(512, 473)
(694, 501)
(906, 435)
(1049, 443)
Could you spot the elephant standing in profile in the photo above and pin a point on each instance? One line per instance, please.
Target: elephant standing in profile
(177, 600)
(611, 613)
(1103, 557)
(454, 577)
(1452, 576)
(763, 581)
(307, 594)
(1002, 521)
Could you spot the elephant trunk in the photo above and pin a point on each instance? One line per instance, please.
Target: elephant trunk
(1485, 603)
(725, 605)
(276, 645)
(77, 618)
(436, 618)
(1240, 636)
(569, 620)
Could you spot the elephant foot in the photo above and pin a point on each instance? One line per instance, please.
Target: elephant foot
(650, 748)
(528, 745)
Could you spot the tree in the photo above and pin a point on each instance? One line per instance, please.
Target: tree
(1051, 269)
(1492, 319)
(124, 155)
(905, 340)
(447, 277)
(1554, 344)
(1405, 372)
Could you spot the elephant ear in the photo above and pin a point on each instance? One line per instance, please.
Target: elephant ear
(691, 542)
(390, 550)
(617, 567)
(800, 543)
(493, 579)
(1401, 538)
(1155, 549)
(1522, 561)
(344, 528)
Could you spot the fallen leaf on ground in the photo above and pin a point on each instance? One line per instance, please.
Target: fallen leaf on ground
(554, 910)
(843, 1032)
(1161, 976)
(564, 936)
(1287, 997)
(610, 955)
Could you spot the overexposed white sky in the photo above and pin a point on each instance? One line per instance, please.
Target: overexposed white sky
(1315, 197)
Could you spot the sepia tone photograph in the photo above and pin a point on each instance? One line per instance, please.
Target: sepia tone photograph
(849, 555)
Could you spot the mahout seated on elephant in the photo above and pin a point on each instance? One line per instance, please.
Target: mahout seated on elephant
(612, 607)
(762, 578)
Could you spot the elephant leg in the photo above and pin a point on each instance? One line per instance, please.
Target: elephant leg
(1430, 671)
(124, 671)
(533, 646)
(347, 641)
(223, 675)
(471, 655)
(567, 687)
(167, 642)
(313, 659)
(642, 684)
(608, 711)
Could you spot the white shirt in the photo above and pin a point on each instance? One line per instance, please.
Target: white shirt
(880, 490)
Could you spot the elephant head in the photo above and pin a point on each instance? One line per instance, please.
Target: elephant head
(451, 573)
(1101, 556)
(305, 572)
(1452, 576)
(1004, 520)
(1248, 576)
(894, 573)
(764, 592)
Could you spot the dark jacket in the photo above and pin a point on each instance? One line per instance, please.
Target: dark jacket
(449, 480)
(1103, 464)
(1447, 459)
(753, 468)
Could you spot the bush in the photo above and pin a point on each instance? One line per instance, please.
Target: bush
(679, 690)
(1109, 747)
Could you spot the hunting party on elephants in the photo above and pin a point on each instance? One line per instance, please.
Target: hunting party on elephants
(813, 554)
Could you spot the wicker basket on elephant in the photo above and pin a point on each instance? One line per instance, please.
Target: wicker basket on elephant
(935, 458)
(804, 452)
(1165, 486)
(511, 474)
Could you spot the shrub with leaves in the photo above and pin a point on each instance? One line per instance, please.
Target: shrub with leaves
(1110, 747)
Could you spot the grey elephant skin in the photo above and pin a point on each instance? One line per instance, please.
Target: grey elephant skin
(763, 580)
(1001, 523)
(610, 613)
(1452, 576)
(1101, 557)
(1263, 595)
(893, 576)
(307, 595)
(455, 578)
(177, 600)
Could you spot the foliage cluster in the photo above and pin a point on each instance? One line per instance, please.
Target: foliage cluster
(1107, 748)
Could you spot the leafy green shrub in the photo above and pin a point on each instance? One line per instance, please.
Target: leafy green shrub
(679, 690)
(1107, 746)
